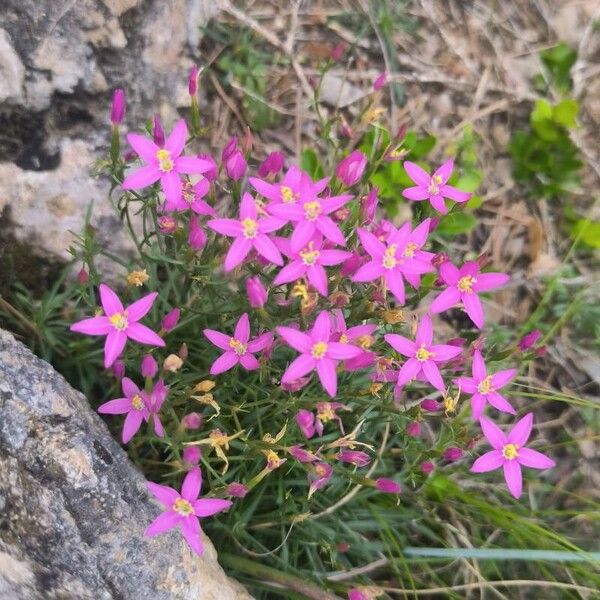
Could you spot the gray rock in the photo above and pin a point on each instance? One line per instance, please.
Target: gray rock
(73, 509)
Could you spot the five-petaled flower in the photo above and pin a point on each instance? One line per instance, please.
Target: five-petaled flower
(485, 387)
(239, 348)
(317, 352)
(119, 323)
(296, 186)
(423, 356)
(184, 509)
(463, 286)
(249, 232)
(510, 453)
(433, 187)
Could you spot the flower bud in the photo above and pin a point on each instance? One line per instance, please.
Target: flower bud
(236, 165)
(117, 112)
(368, 205)
(257, 294)
(170, 320)
(388, 486)
(351, 168)
(271, 165)
(206, 385)
(414, 429)
(192, 420)
(306, 421)
(529, 340)
(354, 457)
(453, 454)
(183, 351)
(118, 368)
(430, 405)
(193, 81)
(191, 455)
(149, 367)
(172, 363)
(237, 490)
(427, 467)
(302, 455)
(213, 173)
(230, 148)
(167, 225)
(248, 141)
(380, 81)
(83, 276)
(157, 132)
(338, 51)
(197, 237)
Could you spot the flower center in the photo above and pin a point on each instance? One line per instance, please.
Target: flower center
(365, 341)
(188, 192)
(287, 194)
(165, 163)
(250, 228)
(137, 402)
(312, 210)
(389, 257)
(423, 354)
(434, 185)
(344, 339)
(309, 255)
(485, 386)
(319, 349)
(321, 470)
(119, 321)
(325, 413)
(218, 438)
(237, 346)
(465, 284)
(510, 451)
(183, 507)
(410, 249)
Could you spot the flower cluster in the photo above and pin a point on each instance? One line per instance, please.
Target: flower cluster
(328, 290)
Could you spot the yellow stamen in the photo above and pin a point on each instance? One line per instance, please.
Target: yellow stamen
(389, 258)
(319, 350)
(165, 163)
(309, 255)
(119, 321)
(250, 228)
(365, 341)
(137, 278)
(320, 470)
(137, 402)
(287, 194)
(312, 210)
(423, 354)
(485, 387)
(344, 339)
(434, 185)
(183, 507)
(510, 451)
(465, 284)
(410, 249)
(238, 347)
(325, 413)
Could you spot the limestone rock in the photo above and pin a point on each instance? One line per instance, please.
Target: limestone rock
(73, 509)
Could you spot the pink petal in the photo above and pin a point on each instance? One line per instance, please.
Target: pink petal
(237, 253)
(132, 424)
(488, 462)
(514, 477)
(110, 301)
(192, 164)
(206, 507)
(146, 149)
(287, 212)
(501, 378)
(268, 190)
(447, 299)
(401, 344)
(129, 388)
(290, 272)
(171, 186)
(321, 329)
(226, 361)
(176, 140)
(163, 493)
(500, 403)
(318, 279)
(261, 342)
(270, 224)
(303, 232)
(416, 173)
(141, 178)
(299, 367)
(438, 203)
(490, 281)
(220, 340)
(432, 373)
(191, 485)
(477, 406)
(371, 244)
(416, 193)
(144, 335)
(265, 247)
(368, 272)
(445, 170)
(340, 351)
(296, 339)
(162, 523)
(113, 346)
(242, 329)
(141, 307)
(474, 309)
(190, 528)
(229, 227)
(395, 284)
(449, 273)
(115, 407)
(333, 257)
(93, 326)
(466, 384)
(408, 371)
(447, 191)
(493, 433)
(444, 352)
(479, 370)
(200, 207)
(534, 459)
(330, 230)
(248, 207)
(520, 433)
(327, 375)
(334, 203)
(249, 362)
(424, 331)
(159, 430)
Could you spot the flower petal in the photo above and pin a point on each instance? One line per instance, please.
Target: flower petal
(473, 308)
(220, 340)
(416, 193)
(438, 203)
(501, 378)
(192, 483)
(265, 247)
(445, 170)
(424, 331)
(115, 407)
(520, 433)
(534, 459)
(129, 388)
(493, 434)
(401, 344)
(268, 190)
(340, 351)
(190, 528)
(447, 299)
(172, 186)
(408, 371)
(318, 278)
(333, 257)
(514, 477)
(237, 253)
(299, 367)
(327, 375)
(132, 424)
(141, 307)
(432, 373)
(447, 191)
(93, 326)
(226, 361)
(330, 230)
(141, 178)
(500, 403)
(321, 329)
(206, 507)
(177, 138)
(229, 227)
(466, 384)
(478, 368)
(144, 335)
(416, 173)
(490, 281)
(145, 148)
(162, 523)
(242, 329)
(192, 164)
(249, 362)
(290, 272)
(298, 340)
(368, 272)
(270, 224)
(477, 405)
(444, 352)
(371, 244)
(110, 301)
(303, 231)
(248, 207)
(261, 342)
(488, 462)
(163, 493)
(395, 284)
(113, 346)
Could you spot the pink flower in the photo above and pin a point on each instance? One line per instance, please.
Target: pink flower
(422, 355)
(317, 352)
(380, 81)
(171, 319)
(192, 420)
(272, 164)
(319, 475)
(155, 400)
(134, 404)
(184, 509)
(165, 163)
(237, 490)
(149, 367)
(453, 454)
(351, 168)
(302, 455)
(238, 349)
(529, 340)
(309, 262)
(306, 421)
(191, 199)
(427, 467)
(249, 232)
(463, 286)
(193, 81)
(484, 387)
(510, 453)
(368, 205)
(119, 323)
(430, 405)
(414, 429)
(354, 457)
(256, 292)
(359, 335)
(117, 112)
(388, 486)
(197, 236)
(356, 594)
(167, 225)
(400, 256)
(296, 186)
(191, 455)
(236, 165)
(433, 187)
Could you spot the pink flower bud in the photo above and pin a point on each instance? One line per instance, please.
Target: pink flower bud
(183, 351)
(272, 164)
(414, 429)
(354, 457)
(197, 237)
(351, 265)
(192, 420)
(356, 594)
(193, 81)
(118, 368)
(236, 165)
(170, 320)
(453, 454)
(117, 112)
(380, 81)
(351, 168)
(83, 276)
(230, 148)
(213, 173)
(430, 405)
(338, 51)
(257, 294)
(388, 486)
(402, 130)
(302, 455)
(368, 205)
(191, 455)
(157, 131)
(237, 490)
(530, 339)
(149, 367)
(345, 129)
(306, 421)
(167, 225)
(427, 467)
(541, 351)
